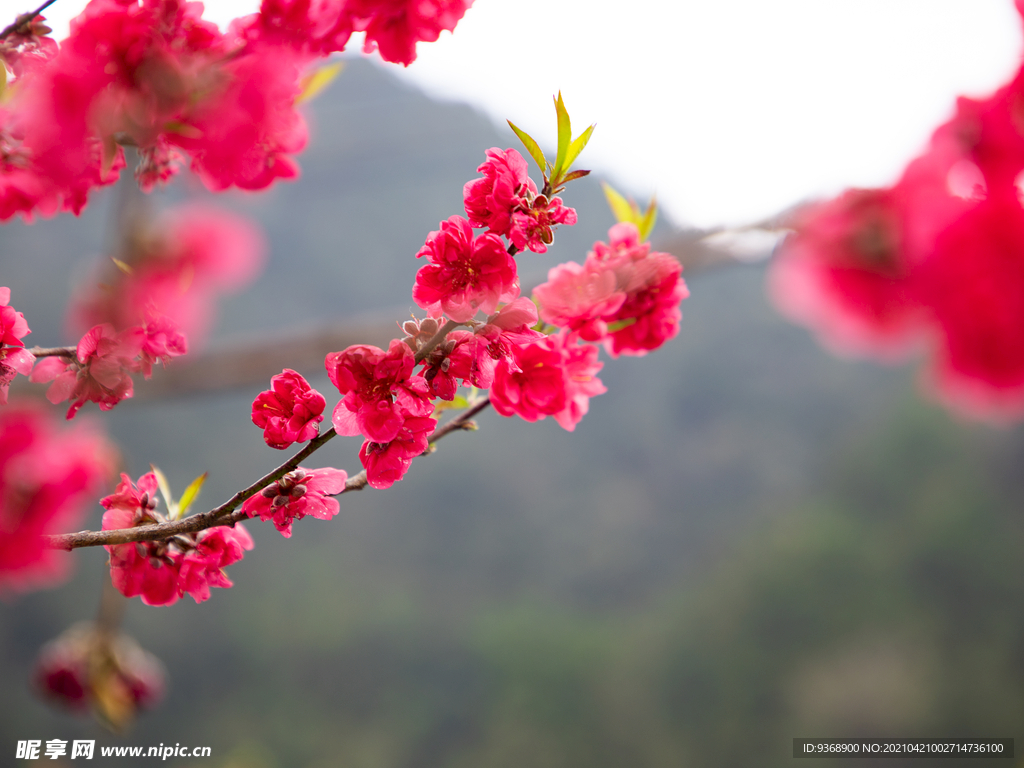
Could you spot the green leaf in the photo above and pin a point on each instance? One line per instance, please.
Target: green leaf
(313, 83)
(564, 138)
(621, 208)
(531, 147)
(190, 494)
(576, 147)
(646, 224)
(165, 490)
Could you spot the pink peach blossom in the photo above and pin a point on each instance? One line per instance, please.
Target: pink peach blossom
(532, 227)
(203, 566)
(379, 388)
(14, 358)
(149, 569)
(476, 355)
(289, 412)
(555, 377)
(299, 493)
(465, 274)
(624, 295)
(161, 572)
(387, 462)
(506, 187)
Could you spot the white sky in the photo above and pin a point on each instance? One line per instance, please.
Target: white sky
(729, 109)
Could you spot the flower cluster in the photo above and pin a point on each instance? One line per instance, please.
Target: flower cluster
(936, 260)
(479, 332)
(157, 76)
(505, 201)
(384, 398)
(624, 295)
(47, 477)
(163, 571)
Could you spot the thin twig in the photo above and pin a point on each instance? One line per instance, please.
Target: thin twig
(229, 512)
(437, 338)
(461, 422)
(192, 524)
(24, 19)
(53, 351)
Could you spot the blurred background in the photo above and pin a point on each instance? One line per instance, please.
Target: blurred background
(745, 541)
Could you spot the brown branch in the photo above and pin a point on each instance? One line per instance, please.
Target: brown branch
(192, 524)
(25, 19)
(437, 338)
(461, 422)
(229, 512)
(53, 351)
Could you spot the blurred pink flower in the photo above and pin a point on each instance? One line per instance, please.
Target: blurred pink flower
(47, 477)
(246, 134)
(172, 277)
(395, 26)
(100, 372)
(974, 287)
(89, 666)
